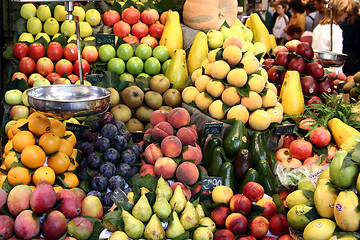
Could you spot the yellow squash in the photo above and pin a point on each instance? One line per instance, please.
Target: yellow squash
(172, 36)
(261, 34)
(340, 131)
(198, 52)
(177, 71)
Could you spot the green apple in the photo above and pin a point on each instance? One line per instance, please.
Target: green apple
(43, 12)
(41, 82)
(165, 66)
(152, 66)
(126, 77)
(117, 65)
(55, 36)
(27, 11)
(44, 35)
(24, 98)
(13, 97)
(26, 37)
(51, 26)
(93, 17)
(34, 25)
(226, 32)
(106, 52)
(125, 51)
(68, 28)
(72, 37)
(60, 13)
(85, 29)
(161, 53)
(215, 39)
(80, 12)
(9, 125)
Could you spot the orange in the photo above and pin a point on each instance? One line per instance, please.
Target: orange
(19, 123)
(57, 188)
(2, 178)
(49, 142)
(70, 136)
(66, 147)
(33, 156)
(39, 125)
(10, 159)
(9, 134)
(34, 114)
(57, 127)
(3, 166)
(22, 140)
(44, 173)
(8, 147)
(71, 179)
(59, 162)
(18, 175)
(32, 187)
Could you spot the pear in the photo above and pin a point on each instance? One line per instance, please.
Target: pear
(33, 25)
(203, 233)
(44, 35)
(178, 200)
(154, 229)
(200, 210)
(215, 39)
(26, 37)
(55, 36)
(163, 188)
(27, 11)
(142, 209)
(51, 26)
(226, 32)
(189, 217)
(72, 38)
(133, 227)
(248, 34)
(43, 12)
(144, 190)
(68, 28)
(239, 31)
(208, 222)
(118, 235)
(85, 29)
(161, 206)
(93, 17)
(174, 228)
(60, 13)
(80, 12)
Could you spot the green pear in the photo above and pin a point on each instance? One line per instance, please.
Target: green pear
(200, 210)
(161, 206)
(248, 34)
(51, 26)
(215, 39)
(203, 233)
(93, 17)
(189, 217)
(68, 28)
(239, 31)
(85, 29)
(80, 12)
(118, 235)
(247, 46)
(33, 25)
(164, 188)
(154, 229)
(226, 32)
(43, 12)
(44, 35)
(178, 200)
(27, 11)
(208, 222)
(133, 227)
(174, 228)
(142, 209)
(60, 13)
(26, 37)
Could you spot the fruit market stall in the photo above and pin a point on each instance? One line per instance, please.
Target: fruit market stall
(209, 129)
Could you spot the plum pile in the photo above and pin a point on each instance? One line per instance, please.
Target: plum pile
(109, 159)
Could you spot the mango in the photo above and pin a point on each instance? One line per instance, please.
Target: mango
(347, 237)
(306, 184)
(26, 226)
(296, 216)
(342, 177)
(295, 198)
(324, 198)
(19, 199)
(319, 229)
(346, 214)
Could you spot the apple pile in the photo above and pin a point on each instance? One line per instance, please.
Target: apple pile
(27, 206)
(173, 151)
(134, 26)
(234, 217)
(299, 56)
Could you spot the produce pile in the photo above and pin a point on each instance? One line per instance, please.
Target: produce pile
(276, 159)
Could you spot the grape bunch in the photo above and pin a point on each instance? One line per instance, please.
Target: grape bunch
(109, 159)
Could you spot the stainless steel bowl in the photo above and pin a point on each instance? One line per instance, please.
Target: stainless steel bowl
(66, 101)
(331, 59)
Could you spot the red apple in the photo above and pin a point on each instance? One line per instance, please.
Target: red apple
(55, 51)
(282, 77)
(280, 49)
(326, 86)
(301, 149)
(61, 81)
(111, 17)
(36, 51)
(74, 78)
(33, 77)
(315, 69)
(278, 224)
(44, 66)
(291, 45)
(282, 153)
(85, 67)
(19, 75)
(320, 137)
(282, 59)
(121, 29)
(305, 50)
(274, 74)
(288, 139)
(20, 50)
(90, 54)
(64, 66)
(156, 29)
(71, 52)
(259, 227)
(53, 76)
(309, 85)
(27, 65)
(313, 100)
(268, 63)
(298, 64)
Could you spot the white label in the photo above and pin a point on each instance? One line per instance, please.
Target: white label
(315, 175)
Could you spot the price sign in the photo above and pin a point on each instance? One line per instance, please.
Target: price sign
(102, 39)
(93, 78)
(137, 136)
(209, 183)
(213, 128)
(77, 129)
(118, 196)
(285, 129)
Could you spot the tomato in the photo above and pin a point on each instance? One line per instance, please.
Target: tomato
(27, 65)
(36, 51)
(55, 51)
(20, 50)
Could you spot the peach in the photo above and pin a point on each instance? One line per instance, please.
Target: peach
(192, 153)
(158, 116)
(254, 191)
(195, 190)
(280, 49)
(269, 205)
(187, 135)
(165, 167)
(147, 169)
(54, 225)
(152, 153)
(6, 226)
(26, 226)
(43, 198)
(3, 198)
(291, 45)
(80, 228)
(91, 206)
(147, 133)
(239, 202)
(233, 40)
(162, 130)
(285, 237)
(278, 224)
(178, 117)
(236, 223)
(259, 227)
(171, 146)
(70, 206)
(19, 199)
(186, 191)
(223, 234)
(219, 215)
(188, 173)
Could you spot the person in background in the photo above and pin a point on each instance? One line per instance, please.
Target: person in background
(320, 11)
(310, 11)
(294, 32)
(280, 24)
(298, 17)
(287, 11)
(266, 18)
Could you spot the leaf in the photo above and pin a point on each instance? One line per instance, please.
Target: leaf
(281, 68)
(115, 219)
(5, 210)
(225, 24)
(184, 236)
(335, 186)
(20, 84)
(58, 203)
(347, 162)
(256, 210)
(244, 91)
(60, 180)
(312, 214)
(6, 185)
(98, 227)
(259, 56)
(143, 83)
(151, 196)
(240, 65)
(61, 39)
(219, 53)
(127, 206)
(148, 182)
(85, 185)
(7, 54)
(24, 127)
(308, 193)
